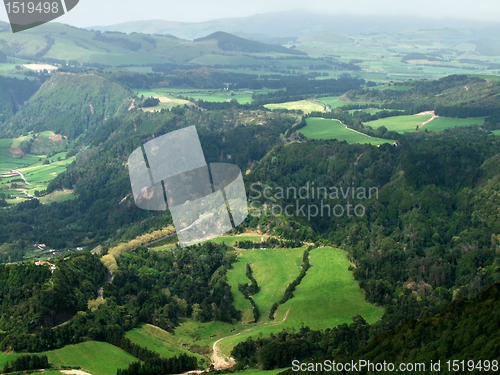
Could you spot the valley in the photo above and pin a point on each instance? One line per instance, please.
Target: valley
(90, 282)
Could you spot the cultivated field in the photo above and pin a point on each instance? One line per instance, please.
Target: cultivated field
(37, 174)
(208, 95)
(334, 102)
(305, 106)
(318, 128)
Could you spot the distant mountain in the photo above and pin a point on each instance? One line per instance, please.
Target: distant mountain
(293, 23)
(229, 42)
(328, 37)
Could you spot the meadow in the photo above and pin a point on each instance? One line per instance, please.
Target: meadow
(97, 358)
(319, 128)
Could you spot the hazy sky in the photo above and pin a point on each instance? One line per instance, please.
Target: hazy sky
(108, 12)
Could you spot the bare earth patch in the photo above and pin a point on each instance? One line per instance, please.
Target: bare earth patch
(74, 372)
(16, 152)
(41, 67)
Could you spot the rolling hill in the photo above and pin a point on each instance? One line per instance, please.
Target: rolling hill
(229, 42)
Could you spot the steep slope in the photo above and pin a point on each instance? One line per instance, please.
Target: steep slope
(70, 104)
(13, 94)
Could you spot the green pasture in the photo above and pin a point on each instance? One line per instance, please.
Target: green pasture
(319, 128)
(327, 296)
(274, 270)
(400, 124)
(160, 341)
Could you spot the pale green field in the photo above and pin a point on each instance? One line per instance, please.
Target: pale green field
(97, 358)
(400, 124)
(58, 196)
(333, 102)
(228, 240)
(327, 296)
(496, 132)
(442, 123)
(305, 106)
(318, 128)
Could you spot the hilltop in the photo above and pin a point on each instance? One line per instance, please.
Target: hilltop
(229, 42)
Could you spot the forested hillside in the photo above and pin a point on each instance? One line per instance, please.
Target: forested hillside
(70, 104)
(13, 94)
(453, 96)
(99, 176)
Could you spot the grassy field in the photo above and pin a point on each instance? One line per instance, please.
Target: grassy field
(160, 341)
(496, 132)
(400, 124)
(305, 106)
(318, 128)
(327, 296)
(97, 358)
(442, 123)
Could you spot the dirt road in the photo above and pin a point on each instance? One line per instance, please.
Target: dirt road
(218, 360)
